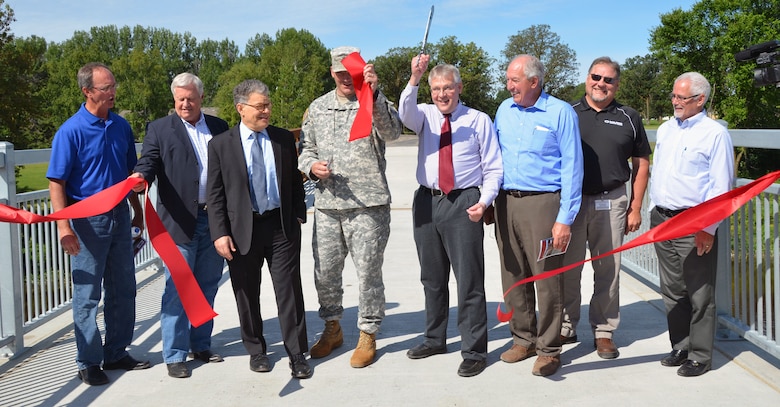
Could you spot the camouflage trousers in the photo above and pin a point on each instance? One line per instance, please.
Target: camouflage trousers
(362, 232)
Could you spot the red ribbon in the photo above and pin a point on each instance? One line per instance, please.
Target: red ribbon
(362, 125)
(688, 222)
(195, 305)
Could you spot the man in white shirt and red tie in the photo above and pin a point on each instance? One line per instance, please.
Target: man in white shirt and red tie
(460, 171)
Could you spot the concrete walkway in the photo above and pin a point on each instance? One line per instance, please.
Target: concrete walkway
(46, 374)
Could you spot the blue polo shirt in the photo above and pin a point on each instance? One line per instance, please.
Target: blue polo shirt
(91, 154)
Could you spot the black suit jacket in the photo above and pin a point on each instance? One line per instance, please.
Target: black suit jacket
(169, 156)
(229, 201)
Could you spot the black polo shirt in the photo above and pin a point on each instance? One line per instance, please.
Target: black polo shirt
(609, 138)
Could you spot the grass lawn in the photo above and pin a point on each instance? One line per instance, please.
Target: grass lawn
(32, 177)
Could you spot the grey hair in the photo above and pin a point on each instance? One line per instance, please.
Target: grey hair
(186, 79)
(84, 76)
(699, 84)
(444, 70)
(606, 61)
(242, 91)
(532, 68)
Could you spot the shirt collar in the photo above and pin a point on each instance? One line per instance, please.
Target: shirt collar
(455, 113)
(684, 124)
(583, 105)
(200, 121)
(540, 104)
(246, 133)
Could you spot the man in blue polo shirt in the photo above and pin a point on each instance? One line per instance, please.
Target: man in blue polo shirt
(93, 150)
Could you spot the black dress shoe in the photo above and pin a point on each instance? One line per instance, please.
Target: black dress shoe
(259, 363)
(93, 376)
(207, 356)
(178, 370)
(692, 368)
(127, 363)
(676, 358)
(471, 367)
(565, 340)
(423, 351)
(300, 367)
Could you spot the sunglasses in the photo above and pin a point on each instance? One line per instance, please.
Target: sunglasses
(597, 78)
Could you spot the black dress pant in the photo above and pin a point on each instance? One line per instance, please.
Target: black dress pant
(688, 291)
(283, 256)
(446, 237)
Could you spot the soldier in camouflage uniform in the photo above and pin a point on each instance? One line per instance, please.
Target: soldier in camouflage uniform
(352, 204)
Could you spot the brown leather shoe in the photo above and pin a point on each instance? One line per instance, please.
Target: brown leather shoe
(546, 365)
(517, 353)
(606, 348)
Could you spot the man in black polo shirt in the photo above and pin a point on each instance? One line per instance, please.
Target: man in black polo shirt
(611, 135)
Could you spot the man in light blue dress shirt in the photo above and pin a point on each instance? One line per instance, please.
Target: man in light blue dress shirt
(539, 200)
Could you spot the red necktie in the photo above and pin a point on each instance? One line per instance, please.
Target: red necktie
(446, 173)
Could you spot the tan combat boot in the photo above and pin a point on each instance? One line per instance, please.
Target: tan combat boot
(332, 337)
(365, 350)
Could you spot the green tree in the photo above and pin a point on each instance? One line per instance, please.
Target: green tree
(212, 59)
(20, 77)
(474, 64)
(255, 45)
(641, 87)
(223, 100)
(705, 39)
(144, 88)
(570, 92)
(476, 72)
(558, 58)
(296, 67)
(393, 70)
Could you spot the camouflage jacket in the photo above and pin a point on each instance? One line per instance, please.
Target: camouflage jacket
(358, 167)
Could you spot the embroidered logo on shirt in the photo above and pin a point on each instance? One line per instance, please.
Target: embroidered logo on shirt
(612, 122)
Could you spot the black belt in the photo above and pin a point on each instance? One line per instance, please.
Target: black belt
(522, 194)
(437, 192)
(603, 191)
(669, 213)
(202, 207)
(265, 215)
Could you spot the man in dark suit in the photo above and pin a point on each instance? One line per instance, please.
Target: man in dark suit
(175, 151)
(256, 204)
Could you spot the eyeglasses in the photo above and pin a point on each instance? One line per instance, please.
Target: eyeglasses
(682, 98)
(445, 89)
(107, 88)
(260, 106)
(597, 78)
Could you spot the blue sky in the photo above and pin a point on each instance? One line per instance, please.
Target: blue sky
(591, 29)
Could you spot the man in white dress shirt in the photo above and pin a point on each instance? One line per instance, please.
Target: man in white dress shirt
(693, 162)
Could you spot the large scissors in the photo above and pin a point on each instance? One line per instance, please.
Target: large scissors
(425, 38)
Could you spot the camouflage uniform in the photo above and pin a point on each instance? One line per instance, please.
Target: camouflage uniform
(352, 206)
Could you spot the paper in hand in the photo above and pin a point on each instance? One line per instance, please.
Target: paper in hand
(546, 249)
